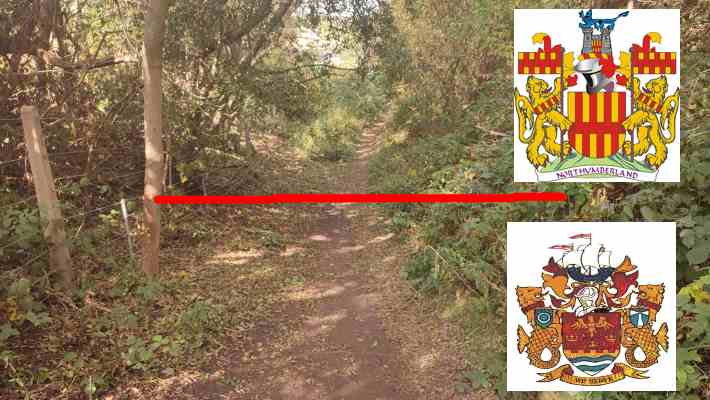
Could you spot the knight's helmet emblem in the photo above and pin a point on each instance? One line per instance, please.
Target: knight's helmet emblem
(596, 80)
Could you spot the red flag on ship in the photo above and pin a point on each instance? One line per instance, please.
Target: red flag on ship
(567, 247)
(581, 236)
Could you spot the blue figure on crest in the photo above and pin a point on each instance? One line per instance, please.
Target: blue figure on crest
(599, 24)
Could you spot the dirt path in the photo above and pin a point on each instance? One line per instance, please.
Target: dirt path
(342, 350)
(349, 328)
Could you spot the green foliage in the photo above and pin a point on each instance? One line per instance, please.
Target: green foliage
(331, 136)
(401, 221)
(409, 167)
(229, 67)
(272, 240)
(6, 332)
(348, 105)
(142, 353)
(440, 105)
(19, 231)
(21, 309)
(149, 292)
(442, 64)
(128, 323)
(200, 318)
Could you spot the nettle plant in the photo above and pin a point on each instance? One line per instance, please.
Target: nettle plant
(21, 308)
(19, 232)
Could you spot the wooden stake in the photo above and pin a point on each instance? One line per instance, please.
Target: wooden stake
(49, 208)
(124, 211)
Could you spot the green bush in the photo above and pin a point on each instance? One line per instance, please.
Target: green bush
(363, 98)
(331, 136)
(463, 246)
(19, 232)
(349, 105)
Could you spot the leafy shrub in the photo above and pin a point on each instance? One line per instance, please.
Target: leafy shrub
(348, 105)
(19, 307)
(142, 353)
(19, 232)
(331, 136)
(364, 98)
(408, 167)
(463, 246)
(200, 321)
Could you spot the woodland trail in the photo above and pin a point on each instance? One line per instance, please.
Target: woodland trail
(352, 329)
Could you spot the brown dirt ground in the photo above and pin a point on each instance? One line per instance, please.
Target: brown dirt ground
(325, 316)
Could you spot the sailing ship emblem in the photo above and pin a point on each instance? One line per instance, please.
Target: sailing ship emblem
(585, 263)
(594, 311)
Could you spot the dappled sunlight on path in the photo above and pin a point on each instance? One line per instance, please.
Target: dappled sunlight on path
(341, 324)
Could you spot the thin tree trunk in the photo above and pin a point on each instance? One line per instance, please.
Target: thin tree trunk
(154, 30)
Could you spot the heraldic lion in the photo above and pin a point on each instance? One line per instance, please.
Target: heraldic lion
(538, 114)
(652, 103)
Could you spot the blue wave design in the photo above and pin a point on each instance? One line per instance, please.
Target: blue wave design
(593, 359)
(590, 368)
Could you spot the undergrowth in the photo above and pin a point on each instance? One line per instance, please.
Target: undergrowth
(118, 326)
(347, 106)
(437, 144)
(115, 323)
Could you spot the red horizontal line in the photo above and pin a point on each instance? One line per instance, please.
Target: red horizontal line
(366, 198)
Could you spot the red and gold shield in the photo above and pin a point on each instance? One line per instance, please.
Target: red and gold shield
(591, 342)
(596, 122)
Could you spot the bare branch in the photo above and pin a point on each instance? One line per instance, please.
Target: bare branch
(52, 58)
(287, 70)
(230, 38)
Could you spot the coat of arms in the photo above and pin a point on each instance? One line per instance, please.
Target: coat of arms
(589, 322)
(595, 112)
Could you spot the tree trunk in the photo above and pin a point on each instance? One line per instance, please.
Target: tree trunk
(154, 30)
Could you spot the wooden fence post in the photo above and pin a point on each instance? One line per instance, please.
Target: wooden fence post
(49, 208)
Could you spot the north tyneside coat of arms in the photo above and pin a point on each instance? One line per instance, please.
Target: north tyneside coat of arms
(591, 323)
(596, 96)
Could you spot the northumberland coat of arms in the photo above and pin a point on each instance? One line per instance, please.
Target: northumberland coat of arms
(589, 322)
(602, 104)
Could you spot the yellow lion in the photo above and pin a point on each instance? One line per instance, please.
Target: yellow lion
(651, 102)
(538, 114)
(527, 298)
(652, 295)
